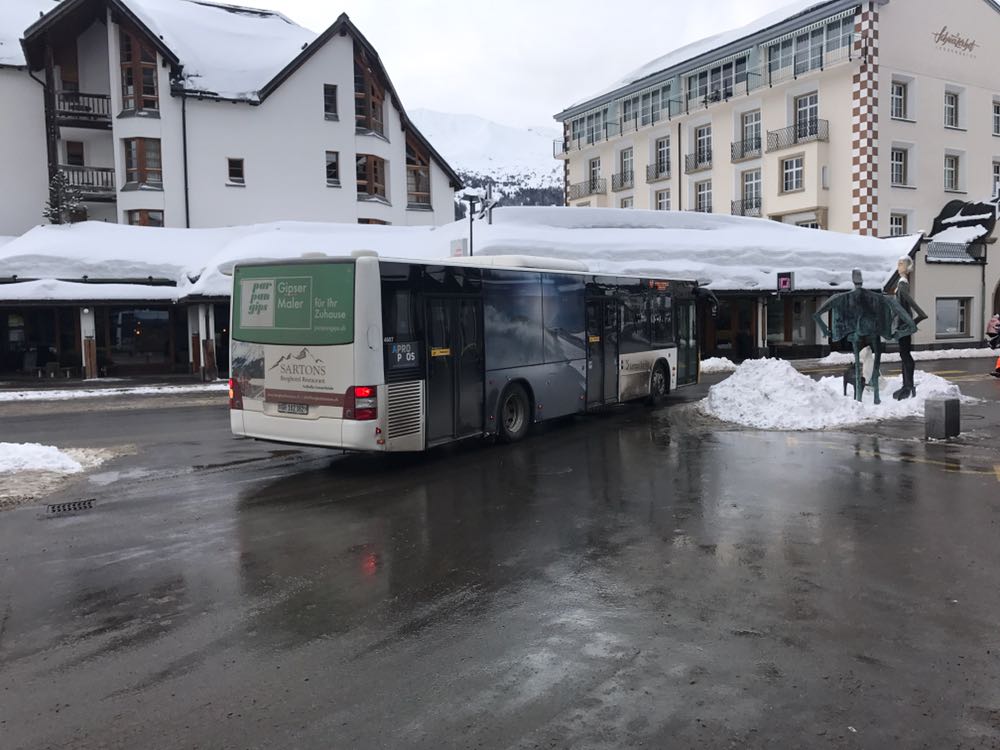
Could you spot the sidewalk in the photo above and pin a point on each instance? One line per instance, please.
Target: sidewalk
(53, 389)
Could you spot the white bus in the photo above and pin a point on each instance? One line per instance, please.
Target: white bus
(373, 354)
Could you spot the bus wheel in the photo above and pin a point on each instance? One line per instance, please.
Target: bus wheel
(659, 385)
(515, 413)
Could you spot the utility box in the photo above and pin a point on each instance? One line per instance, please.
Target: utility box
(942, 419)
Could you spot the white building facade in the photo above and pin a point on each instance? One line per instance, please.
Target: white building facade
(861, 117)
(191, 114)
(23, 180)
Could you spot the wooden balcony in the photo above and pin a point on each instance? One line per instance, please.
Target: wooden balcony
(79, 110)
(94, 183)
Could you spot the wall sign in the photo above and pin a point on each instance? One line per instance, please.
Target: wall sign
(950, 41)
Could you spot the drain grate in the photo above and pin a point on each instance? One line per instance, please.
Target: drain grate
(71, 507)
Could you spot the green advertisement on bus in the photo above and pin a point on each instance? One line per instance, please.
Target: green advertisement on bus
(302, 303)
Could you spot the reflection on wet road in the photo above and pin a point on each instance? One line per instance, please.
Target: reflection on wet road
(638, 577)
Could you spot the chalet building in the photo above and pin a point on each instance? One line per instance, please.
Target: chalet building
(860, 117)
(187, 113)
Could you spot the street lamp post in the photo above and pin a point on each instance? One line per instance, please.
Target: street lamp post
(472, 200)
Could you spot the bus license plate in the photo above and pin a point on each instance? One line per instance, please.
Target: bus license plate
(293, 409)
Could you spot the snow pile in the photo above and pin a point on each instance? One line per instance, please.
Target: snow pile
(36, 457)
(770, 394)
(703, 46)
(847, 358)
(15, 17)
(721, 252)
(717, 364)
(143, 390)
(225, 50)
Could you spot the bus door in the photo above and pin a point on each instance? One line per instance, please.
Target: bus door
(602, 351)
(687, 342)
(455, 366)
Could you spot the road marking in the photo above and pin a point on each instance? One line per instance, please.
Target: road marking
(997, 470)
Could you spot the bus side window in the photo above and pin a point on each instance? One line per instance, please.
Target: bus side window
(635, 325)
(661, 319)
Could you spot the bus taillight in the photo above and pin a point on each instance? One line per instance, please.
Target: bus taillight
(235, 397)
(361, 403)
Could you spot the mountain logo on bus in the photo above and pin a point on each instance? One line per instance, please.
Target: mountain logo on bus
(303, 363)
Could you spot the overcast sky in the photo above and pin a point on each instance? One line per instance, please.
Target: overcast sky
(518, 62)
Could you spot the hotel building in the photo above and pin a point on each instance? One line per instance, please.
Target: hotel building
(857, 117)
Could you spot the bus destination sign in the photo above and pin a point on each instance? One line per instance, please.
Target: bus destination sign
(403, 356)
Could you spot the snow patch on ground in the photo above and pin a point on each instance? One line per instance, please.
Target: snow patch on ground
(29, 471)
(717, 364)
(770, 394)
(35, 456)
(144, 390)
(847, 358)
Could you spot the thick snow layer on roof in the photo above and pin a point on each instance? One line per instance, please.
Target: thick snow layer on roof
(15, 17)
(50, 289)
(960, 235)
(703, 46)
(722, 252)
(225, 49)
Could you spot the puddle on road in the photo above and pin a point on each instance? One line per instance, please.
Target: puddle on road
(105, 478)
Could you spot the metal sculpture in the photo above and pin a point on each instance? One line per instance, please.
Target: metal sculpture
(865, 317)
(904, 267)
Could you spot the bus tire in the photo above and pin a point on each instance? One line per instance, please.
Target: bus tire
(514, 413)
(659, 385)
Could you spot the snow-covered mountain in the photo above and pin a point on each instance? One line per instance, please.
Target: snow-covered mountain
(481, 150)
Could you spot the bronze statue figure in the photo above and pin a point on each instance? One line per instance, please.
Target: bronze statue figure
(904, 267)
(865, 317)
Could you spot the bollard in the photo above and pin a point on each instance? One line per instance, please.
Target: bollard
(942, 419)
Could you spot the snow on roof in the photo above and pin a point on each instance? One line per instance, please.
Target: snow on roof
(50, 289)
(960, 235)
(706, 45)
(226, 50)
(15, 17)
(725, 253)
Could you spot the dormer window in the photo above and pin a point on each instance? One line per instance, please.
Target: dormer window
(369, 96)
(138, 60)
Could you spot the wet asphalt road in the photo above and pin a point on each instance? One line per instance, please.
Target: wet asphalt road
(639, 578)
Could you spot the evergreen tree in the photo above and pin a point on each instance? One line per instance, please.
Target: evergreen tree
(65, 204)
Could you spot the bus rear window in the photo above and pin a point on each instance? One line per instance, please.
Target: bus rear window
(307, 303)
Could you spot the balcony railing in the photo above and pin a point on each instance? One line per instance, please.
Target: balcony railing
(623, 181)
(804, 131)
(747, 207)
(593, 186)
(94, 183)
(657, 172)
(84, 109)
(698, 161)
(746, 149)
(764, 75)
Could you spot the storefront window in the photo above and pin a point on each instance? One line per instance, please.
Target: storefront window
(139, 336)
